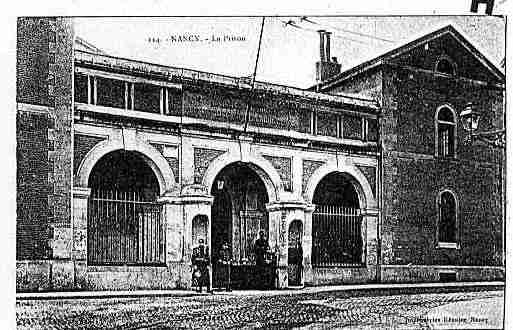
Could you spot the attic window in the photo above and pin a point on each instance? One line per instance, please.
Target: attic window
(445, 65)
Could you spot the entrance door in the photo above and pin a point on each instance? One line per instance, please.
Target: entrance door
(238, 215)
(295, 256)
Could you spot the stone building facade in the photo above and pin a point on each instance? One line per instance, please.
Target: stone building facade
(147, 159)
(414, 84)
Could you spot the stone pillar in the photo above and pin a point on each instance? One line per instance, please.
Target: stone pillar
(307, 245)
(370, 232)
(179, 211)
(80, 204)
(278, 241)
(79, 234)
(281, 214)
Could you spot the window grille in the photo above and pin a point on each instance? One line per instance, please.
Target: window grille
(337, 236)
(123, 229)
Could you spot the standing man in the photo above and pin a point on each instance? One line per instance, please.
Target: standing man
(225, 264)
(262, 250)
(200, 263)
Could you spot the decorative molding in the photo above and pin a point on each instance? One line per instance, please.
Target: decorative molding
(203, 157)
(33, 108)
(370, 174)
(81, 192)
(283, 166)
(309, 167)
(172, 161)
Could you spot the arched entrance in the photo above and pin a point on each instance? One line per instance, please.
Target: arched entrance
(238, 215)
(295, 253)
(124, 225)
(336, 223)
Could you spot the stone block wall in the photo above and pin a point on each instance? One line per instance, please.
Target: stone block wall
(44, 84)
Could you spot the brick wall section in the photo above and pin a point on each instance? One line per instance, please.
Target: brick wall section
(423, 94)
(44, 77)
(283, 166)
(413, 177)
(82, 144)
(309, 167)
(202, 159)
(466, 64)
(32, 60)
(368, 85)
(32, 185)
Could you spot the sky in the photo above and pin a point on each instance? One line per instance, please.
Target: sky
(287, 55)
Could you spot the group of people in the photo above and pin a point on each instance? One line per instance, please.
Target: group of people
(201, 263)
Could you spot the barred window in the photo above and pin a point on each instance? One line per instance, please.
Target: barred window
(336, 223)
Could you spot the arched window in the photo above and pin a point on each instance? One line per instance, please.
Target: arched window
(336, 223)
(445, 65)
(446, 132)
(447, 220)
(124, 225)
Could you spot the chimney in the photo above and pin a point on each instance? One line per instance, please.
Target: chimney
(321, 45)
(328, 46)
(327, 67)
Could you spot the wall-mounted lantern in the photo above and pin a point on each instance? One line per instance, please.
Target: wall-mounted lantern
(470, 120)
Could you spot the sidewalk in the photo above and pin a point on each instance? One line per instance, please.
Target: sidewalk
(379, 289)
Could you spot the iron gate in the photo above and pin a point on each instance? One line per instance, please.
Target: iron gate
(336, 236)
(123, 229)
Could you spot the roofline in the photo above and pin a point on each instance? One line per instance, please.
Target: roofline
(89, 45)
(380, 60)
(169, 71)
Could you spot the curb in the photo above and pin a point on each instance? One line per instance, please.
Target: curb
(349, 290)
(105, 294)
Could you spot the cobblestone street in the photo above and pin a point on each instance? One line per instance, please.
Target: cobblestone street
(308, 311)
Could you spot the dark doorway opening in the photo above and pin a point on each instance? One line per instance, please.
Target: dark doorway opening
(238, 215)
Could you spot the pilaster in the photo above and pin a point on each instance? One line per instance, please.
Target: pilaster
(79, 224)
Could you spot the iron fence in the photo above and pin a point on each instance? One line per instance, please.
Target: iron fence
(124, 229)
(337, 236)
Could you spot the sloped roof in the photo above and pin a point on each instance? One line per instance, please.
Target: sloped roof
(82, 45)
(407, 46)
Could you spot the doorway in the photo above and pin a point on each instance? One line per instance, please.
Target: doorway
(295, 253)
(238, 215)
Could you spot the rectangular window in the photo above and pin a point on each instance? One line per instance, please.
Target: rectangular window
(81, 88)
(372, 129)
(174, 102)
(147, 97)
(446, 140)
(352, 127)
(327, 124)
(110, 92)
